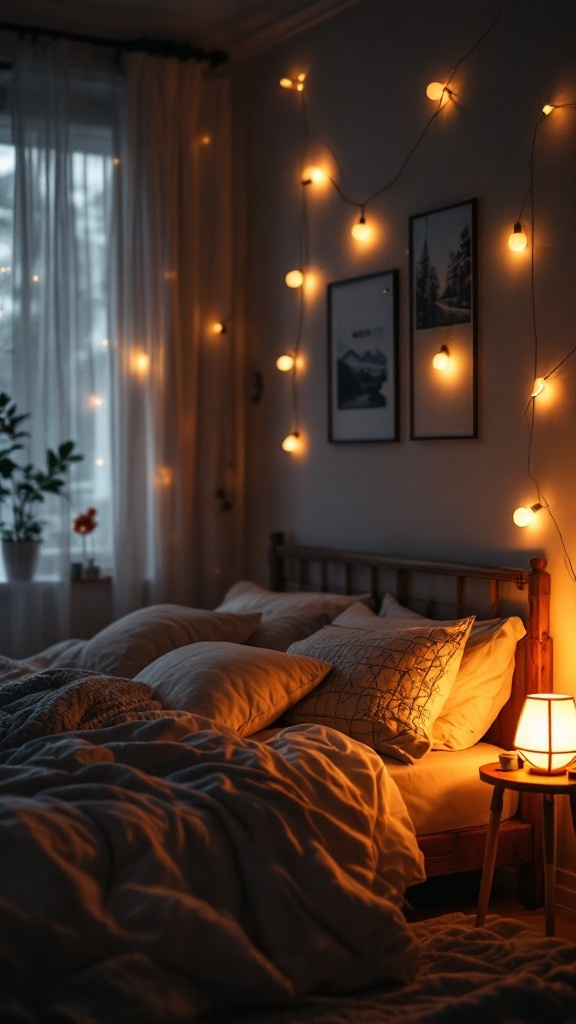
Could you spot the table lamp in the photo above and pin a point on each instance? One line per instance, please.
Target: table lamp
(546, 733)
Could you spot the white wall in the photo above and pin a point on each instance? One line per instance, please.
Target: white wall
(367, 70)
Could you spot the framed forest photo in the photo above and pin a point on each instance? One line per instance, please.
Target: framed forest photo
(363, 358)
(443, 318)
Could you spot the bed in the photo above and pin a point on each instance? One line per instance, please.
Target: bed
(174, 849)
(440, 590)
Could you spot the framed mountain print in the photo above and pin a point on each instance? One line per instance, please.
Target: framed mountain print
(363, 358)
(443, 319)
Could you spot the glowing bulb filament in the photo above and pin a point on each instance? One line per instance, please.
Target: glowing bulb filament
(547, 108)
(523, 516)
(517, 240)
(291, 442)
(441, 359)
(297, 84)
(361, 231)
(439, 93)
(313, 175)
(294, 278)
(285, 362)
(538, 387)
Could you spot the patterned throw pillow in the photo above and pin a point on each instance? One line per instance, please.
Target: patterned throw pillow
(385, 689)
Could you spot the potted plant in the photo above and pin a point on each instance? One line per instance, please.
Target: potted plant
(23, 488)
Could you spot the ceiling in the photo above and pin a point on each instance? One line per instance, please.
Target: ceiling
(242, 27)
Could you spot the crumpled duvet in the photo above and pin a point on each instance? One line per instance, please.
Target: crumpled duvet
(157, 870)
(67, 699)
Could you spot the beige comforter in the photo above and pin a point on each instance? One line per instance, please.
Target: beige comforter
(157, 870)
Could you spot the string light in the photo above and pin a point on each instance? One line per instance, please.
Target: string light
(285, 362)
(313, 175)
(438, 92)
(361, 231)
(219, 327)
(518, 240)
(524, 515)
(538, 387)
(441, 359)
(291, 442)
(294, 278)
(547, 108)
(296, 84)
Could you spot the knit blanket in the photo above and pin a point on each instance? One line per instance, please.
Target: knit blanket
(67, 700)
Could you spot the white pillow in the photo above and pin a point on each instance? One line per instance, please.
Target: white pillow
(136, 639)
(232, 684)
(287, 616)
(484, 680)
(386, 688)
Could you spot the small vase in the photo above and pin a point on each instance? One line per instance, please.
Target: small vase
(20, 559)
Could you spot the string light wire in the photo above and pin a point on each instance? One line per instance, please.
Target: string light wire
(530, 411)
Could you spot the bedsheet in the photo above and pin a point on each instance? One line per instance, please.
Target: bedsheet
(502, 973)
(155, 870)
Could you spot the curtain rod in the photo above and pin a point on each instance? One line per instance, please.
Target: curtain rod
(156, 47)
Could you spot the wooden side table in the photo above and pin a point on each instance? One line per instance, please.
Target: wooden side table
(524, 781)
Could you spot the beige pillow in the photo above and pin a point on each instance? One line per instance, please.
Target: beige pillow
(135, 640)
(386, 688)
(484, 680)
(482, 686)
(392, 609)
(234, 685)
(287, 616)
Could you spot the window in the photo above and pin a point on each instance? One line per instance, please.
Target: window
(57, 286)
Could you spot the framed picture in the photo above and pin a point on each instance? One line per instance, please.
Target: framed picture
(363, 358)
(443, 319)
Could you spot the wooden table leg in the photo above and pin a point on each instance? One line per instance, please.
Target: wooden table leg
(549, 838)
(573, 809)
(489, 854)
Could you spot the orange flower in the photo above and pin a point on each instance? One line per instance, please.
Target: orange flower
(85, 522)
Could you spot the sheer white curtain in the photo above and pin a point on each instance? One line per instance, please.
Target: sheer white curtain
(177, 416)
(122, 263)
(56, 367)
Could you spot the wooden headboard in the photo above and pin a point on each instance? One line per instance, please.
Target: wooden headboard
(438, 590)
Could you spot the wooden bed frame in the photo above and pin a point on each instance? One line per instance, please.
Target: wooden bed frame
(449, 590)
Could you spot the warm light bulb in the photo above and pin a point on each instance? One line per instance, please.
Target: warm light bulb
(294, 278)
(538, 387)
(285, 362)
(361, 231)
(523, 516)
(441, 359)
(438, 92)
(293, 83)
(547, 108)
(435, 91)
(517, 240)
(312, 175)
(218, 328)
(140, 363)
(291, 442)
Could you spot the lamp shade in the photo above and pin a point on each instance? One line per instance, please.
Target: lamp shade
(546, 733)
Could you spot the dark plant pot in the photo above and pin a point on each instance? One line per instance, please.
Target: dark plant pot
(20, 559)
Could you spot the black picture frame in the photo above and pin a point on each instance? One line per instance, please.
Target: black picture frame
(363, 359)
(443, 316)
